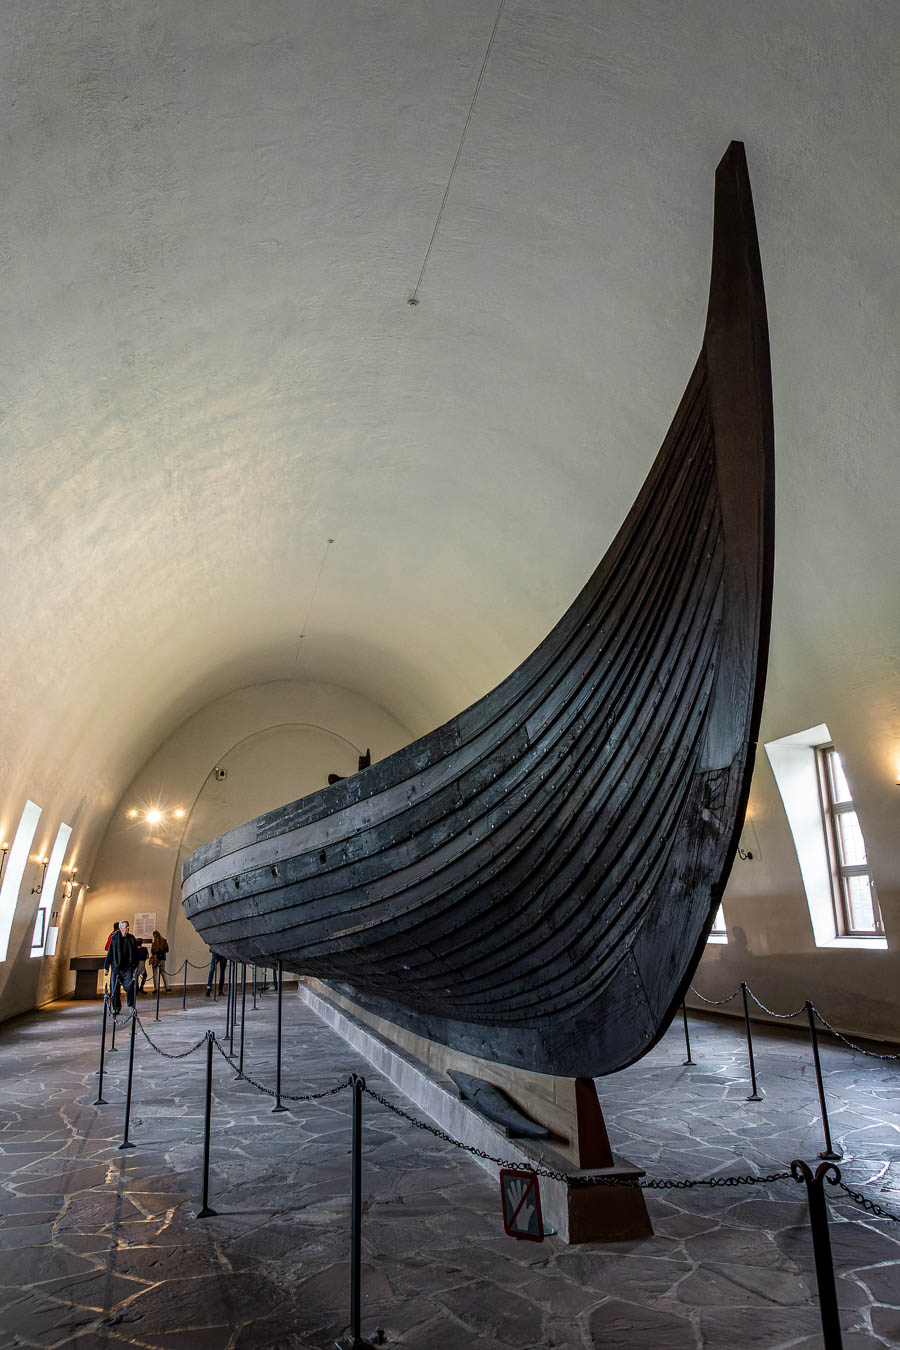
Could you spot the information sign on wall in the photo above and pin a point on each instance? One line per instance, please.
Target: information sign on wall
(144, 925)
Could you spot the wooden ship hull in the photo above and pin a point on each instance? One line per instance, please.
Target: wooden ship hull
(534, 881)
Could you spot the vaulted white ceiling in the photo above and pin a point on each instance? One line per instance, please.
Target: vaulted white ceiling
(214, 216)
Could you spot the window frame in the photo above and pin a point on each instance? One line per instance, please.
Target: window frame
(841, 872)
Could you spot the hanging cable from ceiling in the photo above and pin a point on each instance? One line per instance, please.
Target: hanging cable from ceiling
(414, 298)
(312, 598)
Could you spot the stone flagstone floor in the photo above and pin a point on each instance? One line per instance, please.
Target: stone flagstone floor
(100, 1248)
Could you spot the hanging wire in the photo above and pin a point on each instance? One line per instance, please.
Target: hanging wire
(414, 298)
(312, 598)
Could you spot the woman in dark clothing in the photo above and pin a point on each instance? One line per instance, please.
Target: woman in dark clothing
(121, 962)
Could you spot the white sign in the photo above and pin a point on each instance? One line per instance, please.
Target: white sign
(144, 925)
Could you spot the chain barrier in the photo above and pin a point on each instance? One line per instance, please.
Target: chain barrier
(538, 1169)
(165, 1053)
(714, 1002)
(117, 1017)
(781, 1017)
(787, 1017)
(869, 1205)
(653, 1184)
(270, 1092)
(873, 1054)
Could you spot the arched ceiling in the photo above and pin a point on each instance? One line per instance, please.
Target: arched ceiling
(214, 216)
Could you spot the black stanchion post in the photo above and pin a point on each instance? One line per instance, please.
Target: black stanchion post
(818, 1222)
(254, 986)
(278, 1106)
(184, 988)
(355, 1341)
(126, 1142)
(229, 1014)
(755, 1095)
(100, 1098)
(156, 977)
(206, 1211)
(240, 1072)
(687, 1036)
(829, 1152)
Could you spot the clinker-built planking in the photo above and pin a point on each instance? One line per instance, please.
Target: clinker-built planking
(534, 881)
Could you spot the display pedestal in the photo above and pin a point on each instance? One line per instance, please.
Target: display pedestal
(576, 1213)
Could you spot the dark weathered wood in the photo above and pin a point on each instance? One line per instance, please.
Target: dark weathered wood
(534, 881)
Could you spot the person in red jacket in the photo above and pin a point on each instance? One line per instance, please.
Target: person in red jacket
(115, 929)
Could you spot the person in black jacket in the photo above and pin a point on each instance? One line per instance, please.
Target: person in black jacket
(121, 962)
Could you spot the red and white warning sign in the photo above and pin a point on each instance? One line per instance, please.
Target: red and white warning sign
(521, 1205)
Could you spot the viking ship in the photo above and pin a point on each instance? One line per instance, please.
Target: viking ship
(534, 882)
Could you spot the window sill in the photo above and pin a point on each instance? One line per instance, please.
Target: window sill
(863, 943)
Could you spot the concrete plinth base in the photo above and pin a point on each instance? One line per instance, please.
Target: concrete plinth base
(577, 1213)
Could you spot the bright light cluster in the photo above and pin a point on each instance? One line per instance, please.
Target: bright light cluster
(155, 815)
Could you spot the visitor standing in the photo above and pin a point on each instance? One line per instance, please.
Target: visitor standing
(222, 963)
(159, 950)
(121, 963)
(143, 953)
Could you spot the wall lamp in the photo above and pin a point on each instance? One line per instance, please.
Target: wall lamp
(69, 885)
(4, 849)
(36, 890)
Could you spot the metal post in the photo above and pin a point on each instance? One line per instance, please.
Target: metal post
(157, 979)
(184, 988)
(206, 1212)
(278, 1106)
(818, 1222)
(254, 986)
(829, 1152)
(126, 1143)
(355, 1341)
(240, 1072)
(229, 1012)
(687, 1037)
(100, 1098)
(755, 1095)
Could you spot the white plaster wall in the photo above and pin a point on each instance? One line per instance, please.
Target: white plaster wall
(277, 742)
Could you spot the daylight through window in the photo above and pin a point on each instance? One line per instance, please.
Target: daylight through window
(855, 903)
